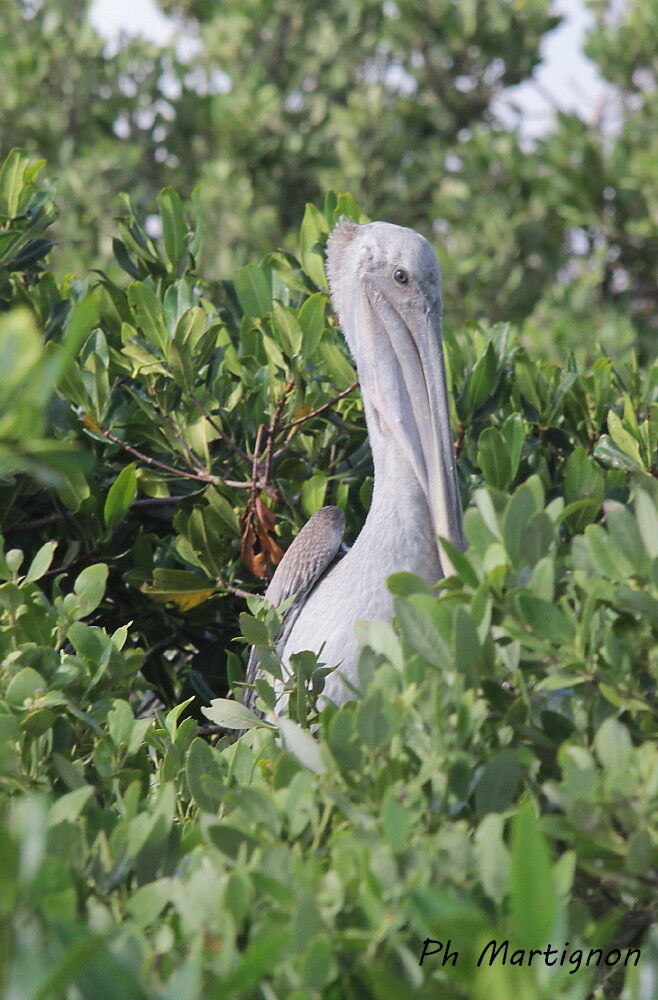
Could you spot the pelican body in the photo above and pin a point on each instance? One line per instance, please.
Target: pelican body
(385, 288)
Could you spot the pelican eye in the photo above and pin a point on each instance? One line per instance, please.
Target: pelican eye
(400, 276)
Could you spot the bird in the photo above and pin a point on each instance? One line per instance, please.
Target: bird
(385, 289)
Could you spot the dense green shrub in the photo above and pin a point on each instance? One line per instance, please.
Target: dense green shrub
(159, 444)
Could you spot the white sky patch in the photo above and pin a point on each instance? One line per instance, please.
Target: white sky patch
(114, 18)
(565, 80)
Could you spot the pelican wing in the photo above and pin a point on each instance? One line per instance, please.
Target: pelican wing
(313, 551)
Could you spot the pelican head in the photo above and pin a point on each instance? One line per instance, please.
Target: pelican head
(386, 288)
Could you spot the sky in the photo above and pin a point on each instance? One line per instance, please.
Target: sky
(566, 79)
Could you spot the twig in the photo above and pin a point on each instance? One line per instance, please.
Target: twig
(333, 451)
(254, 464)
(238, 484)
(208, 729)
(231, 589)
(225, 438)
(458, 444)
(149, 705)
(320, 409)
(192, 460)
(271, 431)
(39, 522)
(203, 477)
(156, 501)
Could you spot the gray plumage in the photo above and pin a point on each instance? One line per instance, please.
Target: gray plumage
(317, 546)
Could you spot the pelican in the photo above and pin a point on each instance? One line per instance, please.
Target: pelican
(385, 288)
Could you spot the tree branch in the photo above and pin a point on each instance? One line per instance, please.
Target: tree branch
(203, 477)
(231, 589)
(271, 432)
(320, 409)
(254, 464)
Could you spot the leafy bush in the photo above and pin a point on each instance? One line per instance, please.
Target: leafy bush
(161, 441)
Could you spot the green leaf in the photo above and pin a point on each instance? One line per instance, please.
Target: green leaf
(611, 561)
(82, 320)
(41, 562)
(11, 181)
(623, 529)
(536, 540)
(492, 856)
(532, 889)
(120, 497)
(174, 227)
(414, 615)
(640, 853)
(460, 563)
(69, 806)
(313, 229)
(231, 714)
(525, 378)
(381, 638)
(372, 721)
(254, 630)
(180, 363)
(623, 439)
(514, 435)
(647, 522)
(175, 586)
(612, 744)
(520, 509)
(124, 259)
(190, 327)
(583, 480)
(311, 320)
(499, 783)
(27, 683)
(73, 489)
(255, 963)
(545, 620)
(468, 653)
(493, 458)
(301, 745)
(338, 367)
(579, 514)
(220, 504)
(313, 492)
(397, 821)
(287, 328)
(319, 966)
(607, 452)
(252, 288)
(89, 589)
(20, 351)
(120, 723)
(403, 584)
(639, 603)
(480, 382)
(204, 775)
(487, 512)
(149, 316)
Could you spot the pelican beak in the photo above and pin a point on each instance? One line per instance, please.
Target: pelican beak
(433, 423)
(423, 430)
